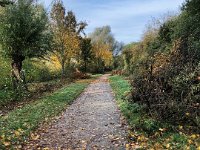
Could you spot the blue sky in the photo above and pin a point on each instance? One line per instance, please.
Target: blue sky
(127, 18)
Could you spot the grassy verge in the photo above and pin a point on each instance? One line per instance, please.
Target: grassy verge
(17, 125)
(146, 131)
(5, 96)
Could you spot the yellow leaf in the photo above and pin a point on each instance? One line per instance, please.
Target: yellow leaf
(180, 127)
(160, 129)
(20, 130)
(158, 146)
(190, 141)
(46, 148)
(17, 133)
(157, 134)
(187, 147)
(6, 143)
(168, 145)
(193, 136)
(34, 137)
(187, 114)
(127, 145)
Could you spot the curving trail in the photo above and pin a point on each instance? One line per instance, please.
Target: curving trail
(93, 121)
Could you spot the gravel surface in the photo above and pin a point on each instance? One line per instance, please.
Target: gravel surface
(92, 122)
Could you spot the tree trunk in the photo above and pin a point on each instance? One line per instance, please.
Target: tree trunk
(16, 69)
(63, 70)
(85, 67)
(16, 72)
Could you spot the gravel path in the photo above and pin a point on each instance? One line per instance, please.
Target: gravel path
(92, 122)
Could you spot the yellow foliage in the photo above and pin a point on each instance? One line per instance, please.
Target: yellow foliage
(102, 51)
(67, 47)
(55, 61)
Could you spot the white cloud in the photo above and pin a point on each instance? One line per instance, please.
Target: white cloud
(126, 17)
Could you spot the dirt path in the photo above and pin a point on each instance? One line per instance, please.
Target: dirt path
(92, 122)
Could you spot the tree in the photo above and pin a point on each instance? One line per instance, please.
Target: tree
(3, 3)
(104, 46)
(86, 51)
(66, 34)
(102, 56)
(24, 33)
(104, 35)
(187, 29)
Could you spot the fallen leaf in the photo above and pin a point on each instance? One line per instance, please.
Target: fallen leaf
(17, 133)
(187, 114)
(6, 143)
(34, 137)
(127, 145)
(193, 136)
(168, 145)
(180, 127)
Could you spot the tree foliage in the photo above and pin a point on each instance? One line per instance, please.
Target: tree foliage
(24, 33)
(104, 44)
(24, 30)
(86, 52)
(165, 68)
(103, 35)
(66, 35)
(3, 3)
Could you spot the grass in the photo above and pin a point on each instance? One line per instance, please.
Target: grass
(5, 96)
(146, 131)
(17, 125)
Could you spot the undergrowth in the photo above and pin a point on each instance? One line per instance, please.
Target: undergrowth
(17, 126)
(145, 130)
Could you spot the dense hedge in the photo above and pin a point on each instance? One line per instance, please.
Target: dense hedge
(165, 68)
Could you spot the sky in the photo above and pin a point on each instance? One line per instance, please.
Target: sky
(127, 18)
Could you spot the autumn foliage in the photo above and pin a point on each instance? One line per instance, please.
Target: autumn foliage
(164, 69)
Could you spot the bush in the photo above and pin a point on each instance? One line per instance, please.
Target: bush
(170, 91)
(165, 69)
(5, 71)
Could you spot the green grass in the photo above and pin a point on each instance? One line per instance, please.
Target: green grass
(146, 131)
(17, 125)
(5, 97)
(132, 111)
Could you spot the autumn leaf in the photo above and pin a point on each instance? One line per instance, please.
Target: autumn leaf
(34, 137)
(187, 114)
(193, 136)
(17, 133)
(6, 143)
(127, 146)
(180, 127)
(160, 129)
(168, 145)
(190, 141)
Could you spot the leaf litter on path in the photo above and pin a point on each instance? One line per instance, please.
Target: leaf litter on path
(93, 121)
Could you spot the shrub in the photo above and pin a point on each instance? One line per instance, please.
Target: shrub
(170, 92)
